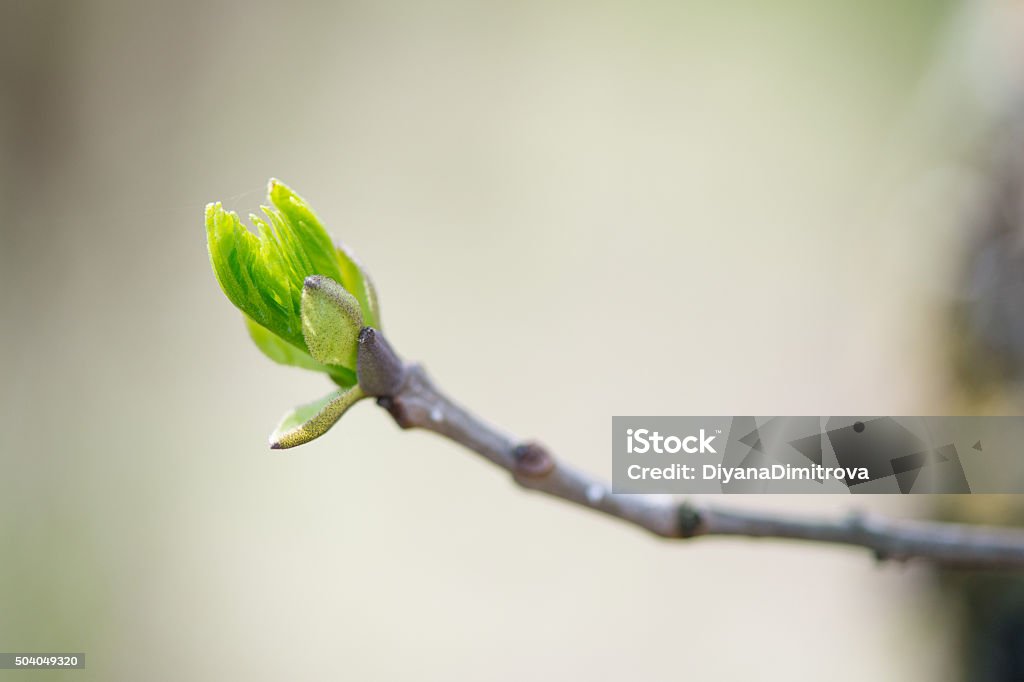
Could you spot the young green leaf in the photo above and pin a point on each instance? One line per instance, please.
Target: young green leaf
(313, 420)
(263, 275)
(284, 353)
(355, 280)
(303, 298)
(279, 350)
(331, 321)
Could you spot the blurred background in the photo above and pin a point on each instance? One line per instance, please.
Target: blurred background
(571, 210)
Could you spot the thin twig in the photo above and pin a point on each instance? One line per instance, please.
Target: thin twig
(415, 402)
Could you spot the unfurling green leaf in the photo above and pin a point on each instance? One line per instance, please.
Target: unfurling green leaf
(355, 280)
(263, 275)
(331, 321)
(280, 351)
(304, 299)
(312, 420)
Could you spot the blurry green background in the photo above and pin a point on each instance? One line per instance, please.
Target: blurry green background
(571, 210)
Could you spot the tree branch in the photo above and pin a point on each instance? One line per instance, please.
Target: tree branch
(415, 402)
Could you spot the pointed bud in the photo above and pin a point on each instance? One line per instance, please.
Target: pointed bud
(313, 420)
(330, 321)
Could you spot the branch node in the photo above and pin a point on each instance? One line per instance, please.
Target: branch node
(689, 520)
(857, 523)
(532, 460)
(398, 411)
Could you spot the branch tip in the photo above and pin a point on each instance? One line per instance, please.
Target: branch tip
(379, 370)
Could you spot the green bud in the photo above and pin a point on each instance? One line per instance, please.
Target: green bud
(313, 420)
(331, 321)
(264, 275)
(304, 300)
